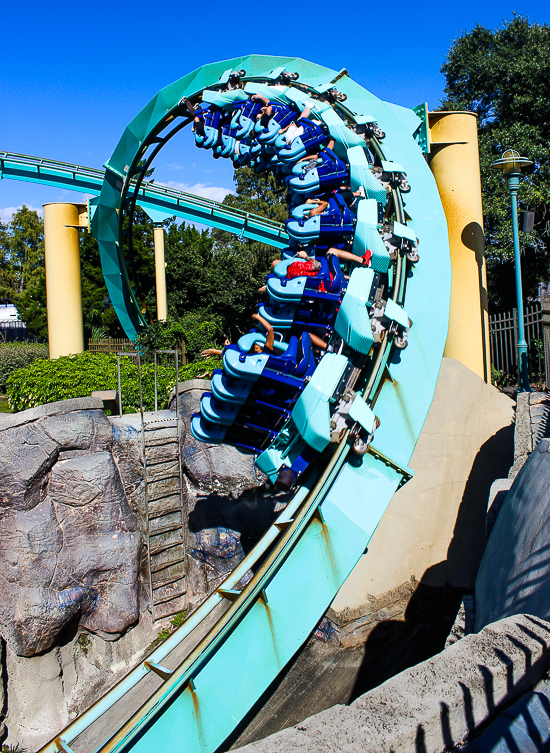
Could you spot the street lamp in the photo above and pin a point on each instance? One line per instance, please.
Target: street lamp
(512, 165)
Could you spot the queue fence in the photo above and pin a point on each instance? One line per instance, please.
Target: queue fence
(503, 329)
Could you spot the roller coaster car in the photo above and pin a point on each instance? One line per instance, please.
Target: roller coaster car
(248, 436)
(322, 411)
(253, 421)
(297, 361)
(392, 175)
(401, 239)
(262, 413)
(314, 137)
(336, 219)
(228, 389)
(329, 170)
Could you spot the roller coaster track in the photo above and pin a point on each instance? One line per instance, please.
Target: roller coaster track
(235, 644)
(152, 196)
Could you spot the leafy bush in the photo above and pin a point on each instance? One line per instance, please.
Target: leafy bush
(502, 378)
(192, 329)
(17, 355)
(79, 375)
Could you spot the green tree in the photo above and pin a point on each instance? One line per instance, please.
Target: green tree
(97, 310)
(503, 76)
(23, 277)
(22, 268)
(142, 257)
(26, 246)
(217, 274)
(6, 283)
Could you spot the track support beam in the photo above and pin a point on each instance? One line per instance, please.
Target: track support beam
(63, 286)
(454, 162)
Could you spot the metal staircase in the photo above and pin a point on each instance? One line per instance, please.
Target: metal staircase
(164, 505)
(164, 496)
(164, 502)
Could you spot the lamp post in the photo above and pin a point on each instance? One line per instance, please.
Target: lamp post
(512, 165)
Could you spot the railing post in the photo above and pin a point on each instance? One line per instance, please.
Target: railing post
(545, 305)
(515, 351)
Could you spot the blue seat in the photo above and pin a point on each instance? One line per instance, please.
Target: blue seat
(337, 219)
(206, 431)
(244, 117)
(212, 121)
(302, 318)
(285, 362)
(326, 284)
(280, 118)
(231, 390)
(330, 170)
(314, 137)
(228, 146)
(218, 411)
(244, 156)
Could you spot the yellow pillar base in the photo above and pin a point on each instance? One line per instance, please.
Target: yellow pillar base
(63, 285)
(454, 161)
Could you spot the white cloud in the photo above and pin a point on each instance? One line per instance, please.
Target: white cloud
(217, 193)
(6, 213)
(176, 166)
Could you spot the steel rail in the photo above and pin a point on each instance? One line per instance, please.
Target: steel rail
(201, 613)
(182, 676)
(301, 512)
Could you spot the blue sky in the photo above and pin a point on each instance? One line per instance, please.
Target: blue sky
(72, 77)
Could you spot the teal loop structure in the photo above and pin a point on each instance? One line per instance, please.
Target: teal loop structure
(308, 552)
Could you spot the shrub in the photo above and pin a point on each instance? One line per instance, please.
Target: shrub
(79, 375)
(15, 356)
(192, 329)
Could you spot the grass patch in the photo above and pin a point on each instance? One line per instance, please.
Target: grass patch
(4, 405)
(176, 622)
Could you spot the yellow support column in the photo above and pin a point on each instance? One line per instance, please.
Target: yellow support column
(454, 161)
(160, 273)
(63, 287)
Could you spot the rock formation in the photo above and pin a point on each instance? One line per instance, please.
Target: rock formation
(70, 539)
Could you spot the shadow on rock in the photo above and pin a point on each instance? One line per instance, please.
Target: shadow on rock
(250, 514)
(395, 645)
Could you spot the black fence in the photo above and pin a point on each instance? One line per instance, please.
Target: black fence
(503, 330)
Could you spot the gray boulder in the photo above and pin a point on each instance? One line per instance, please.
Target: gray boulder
(71, 542)
(514, 574)
(219, 468)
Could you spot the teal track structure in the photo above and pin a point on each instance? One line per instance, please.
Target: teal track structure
(153, 197)
(308, 552)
